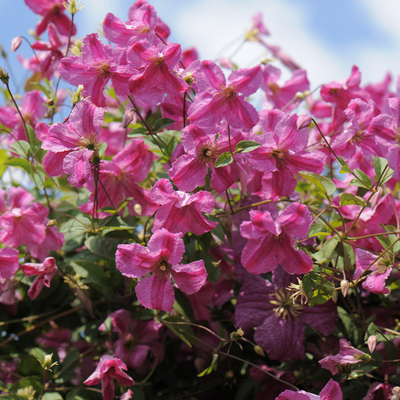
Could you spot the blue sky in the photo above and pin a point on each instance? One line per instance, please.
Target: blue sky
(325, 37)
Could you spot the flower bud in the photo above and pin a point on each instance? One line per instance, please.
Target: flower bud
(237, 335)
(372, 342)
(50, 102)
(299, 96)
(128, 118)
(4, 76)
(52, 222)
(48, 362)
(226, 63)
(15, 43)
(138, 209)
(344, 285)
(303, 121)
(306, 93)
(259, 350)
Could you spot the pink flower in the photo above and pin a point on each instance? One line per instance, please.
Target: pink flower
(162, 257)
(94, 69)
(137, 338)
(46, 271)
(218, 100)
(180, 211)
(271, 240)
(52, 12)
(347, 355)
(154, 77)
(72, 145)
(107, 369)
(331, 391)
(9, 264)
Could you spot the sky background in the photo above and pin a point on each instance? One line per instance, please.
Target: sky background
(325, 37)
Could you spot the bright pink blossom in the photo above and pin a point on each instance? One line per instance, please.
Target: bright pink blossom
(154, 76)
(52, 12)
(331, 391)
(180, 211)
(202, 150)
(9, 264)
(162, 258)
(271, 240)
(219, 100)
(94, 69)
(107, 369)
(347, 355)
(46, 271)
(72, 145)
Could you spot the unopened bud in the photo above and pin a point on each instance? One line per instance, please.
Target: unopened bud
(138, 209)
(344, 285)
(226, 63)
(50, 102)
(306, 93)
(15, 43)
(372, 342)
(2, 52)
(4, 76)
(259, 350)
(48, 362)
(127, 118)
(299, 96)
(303, 121)
(52, 222)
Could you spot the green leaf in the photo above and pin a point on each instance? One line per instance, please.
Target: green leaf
(19, 162)
(320, 182)
(103, 246)
(137, 131)
(31, 134)
(349, 256)
(183, 331)
(322, 294)
(326, 250)
(3, 158)
(183, 306)
(20, 147)
(162, 123)
(223, 160)
(52, 396)
(72, 225)
(245, 146)
(362, 181)
(380, 165)
(37, 178)
(345, 169)
(349, 199)
(318, 229)
(211, 368)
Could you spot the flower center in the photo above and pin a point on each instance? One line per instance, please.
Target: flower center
(164, 266)
(56, 9)
(229, 92)
(280, 157)
(208, 153)
(103, 69)
(285, 306)
(159, 60)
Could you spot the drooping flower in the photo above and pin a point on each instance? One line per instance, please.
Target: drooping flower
(218, 100)
(162, 258)
(271, 240)
(278, 317)
(46, 271)
(347, 355)
(108, 369)
(331, 391)
(180, 211)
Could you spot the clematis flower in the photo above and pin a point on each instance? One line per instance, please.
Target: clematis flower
(218, 100)
(52, 12)
(32, 109)
(162, 258)
(46, 271)
(71, 146)
(137, 338)
(380, 271)
(107, 369)
(154, 77)
(347, 355)
(331, 391)
(202, 150)
(9, 264)
(94, 69)
(180, 211)
(278, 317)
(271, 240)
